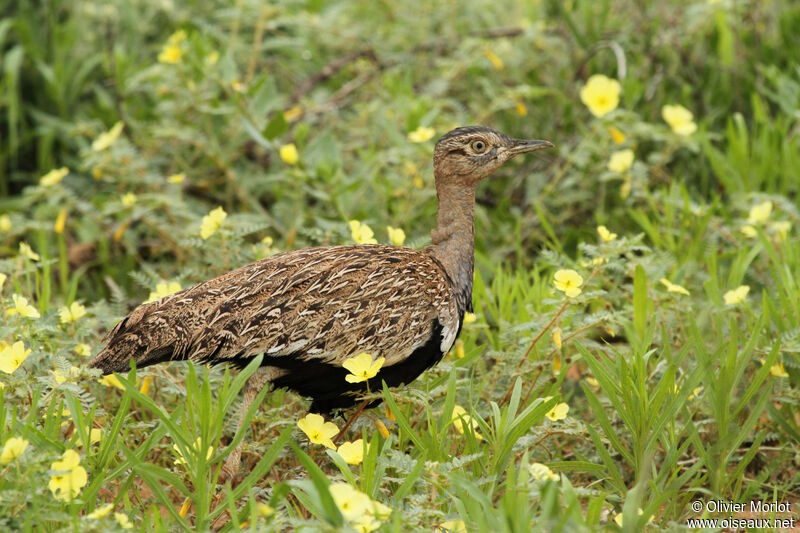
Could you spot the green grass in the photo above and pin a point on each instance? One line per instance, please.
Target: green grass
(672, 398)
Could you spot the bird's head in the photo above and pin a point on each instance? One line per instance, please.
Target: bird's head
(470, 154)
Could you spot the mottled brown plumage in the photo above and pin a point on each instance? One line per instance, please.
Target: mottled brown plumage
(309, 310)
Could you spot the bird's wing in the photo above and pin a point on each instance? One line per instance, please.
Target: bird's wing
(325, 304)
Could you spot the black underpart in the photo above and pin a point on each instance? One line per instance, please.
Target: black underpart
(325, 383)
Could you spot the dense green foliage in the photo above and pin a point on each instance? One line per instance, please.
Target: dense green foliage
(672, 397)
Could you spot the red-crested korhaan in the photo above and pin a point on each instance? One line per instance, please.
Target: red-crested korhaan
(309, 310)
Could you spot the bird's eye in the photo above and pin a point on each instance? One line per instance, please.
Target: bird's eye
(478, 146)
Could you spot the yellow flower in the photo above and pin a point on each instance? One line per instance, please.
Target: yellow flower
(177, 37)
(452, 526)
(106, 139)
(605, 235)
(352, 452)
(381, 427)
(541, 472)
(5, 223)
(601, 95)
(53, 177)
(617, 137)
(128, 199)
(672, 287)
(111, 380)
(679, 119)
(162, 290)
(695, 393)
(317, 430)
(749, 231)
(360, 510)
(593, 383)
(83, 349)
(460, 417)
(95, 435)
(421, 134)
(293, 113)
(760, 213)
(362, 367)
(196, 447)
(458, 349)
(264, 510)
(778, 371)
(469, 318)
(238, 86)
(361, 233)
(3, 279)
(176, 179)
(737, 295)
(26, 251)
(101, 512)
(60, 378)
(620, 161)
(618, 517)
(521, 109)
(396, 235)
(568, 281)
(625, 188)
(72, 313)
(70, 478)
(212, 222)
(557, 337)
(187, 503)
(289, 154)
(558, 412)
(146, 382)
(171, 54)
(123, 520)
(61, 222)
(781, 230)
(12, 450)
(22, 307)
(494, 59)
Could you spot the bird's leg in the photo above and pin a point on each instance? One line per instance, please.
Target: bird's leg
(351, 420)
(251, 389)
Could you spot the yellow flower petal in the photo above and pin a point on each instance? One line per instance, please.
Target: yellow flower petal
(317, 430)
(53, 177)
(396, 235)
(621, 161)
(352, 452)
(362, 367)
(541, 472)
(672, 287)
(737, 295)
(289, 155)
(361, 233)
(760, 213)
(601, 94)
(12, 450)
(11, 357)
(212, 222)
(106, 139)
(679, 119)
(568, 281)
(605, 234)
(101, 512)
(421, 134)
(558, 412)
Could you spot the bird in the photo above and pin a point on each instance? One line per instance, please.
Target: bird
(306, 311)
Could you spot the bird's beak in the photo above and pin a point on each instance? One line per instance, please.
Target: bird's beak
(521, 146)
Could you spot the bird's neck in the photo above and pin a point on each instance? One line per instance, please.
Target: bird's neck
(453, 239)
